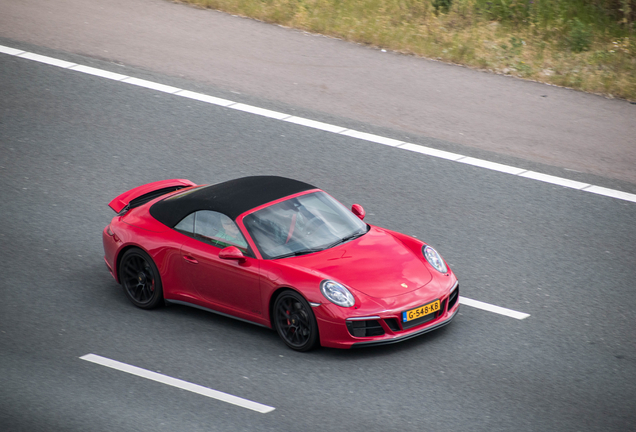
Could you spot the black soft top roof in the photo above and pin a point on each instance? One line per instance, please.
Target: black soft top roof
(232, 197)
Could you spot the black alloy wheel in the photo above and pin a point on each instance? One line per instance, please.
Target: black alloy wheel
(295, 321)
(140, 278)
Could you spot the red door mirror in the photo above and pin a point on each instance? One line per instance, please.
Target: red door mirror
(357, 210)
(231, 253)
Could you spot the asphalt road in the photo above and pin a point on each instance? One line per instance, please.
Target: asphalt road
(70, 142)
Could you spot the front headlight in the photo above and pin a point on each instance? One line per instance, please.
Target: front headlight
(336, 293)
(434, 259)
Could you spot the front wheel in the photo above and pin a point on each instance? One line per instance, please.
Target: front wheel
(295, 321)
(140, 278)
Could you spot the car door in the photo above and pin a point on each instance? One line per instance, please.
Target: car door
(228, 285)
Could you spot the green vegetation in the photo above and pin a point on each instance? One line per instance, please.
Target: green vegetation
(584, 44)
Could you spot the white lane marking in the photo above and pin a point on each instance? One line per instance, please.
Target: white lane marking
(611, 193)
(315, 124)
(492, 308)
(205, 98)
(151, 85)
(174, 382)
(571, 184)
(373, 138)
(48, 60)
(10, 51)
(492, 165)
(99, 72)
(259, 111)
(431, 151)
(554, 180)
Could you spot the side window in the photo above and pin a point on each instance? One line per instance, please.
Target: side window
(217, 229)
(186, 225)
(207, 223)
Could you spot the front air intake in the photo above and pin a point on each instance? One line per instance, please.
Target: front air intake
(452, 299)
(365, 328)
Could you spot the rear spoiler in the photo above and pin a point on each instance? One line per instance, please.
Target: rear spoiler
(143, 194)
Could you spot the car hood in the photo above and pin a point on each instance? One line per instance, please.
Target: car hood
(376, 264)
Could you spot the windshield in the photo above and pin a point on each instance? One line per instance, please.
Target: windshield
(305, 224)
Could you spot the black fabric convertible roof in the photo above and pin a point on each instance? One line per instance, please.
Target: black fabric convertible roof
(231, 197)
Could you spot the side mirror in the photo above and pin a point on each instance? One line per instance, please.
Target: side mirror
(231, 253)
(357, 210)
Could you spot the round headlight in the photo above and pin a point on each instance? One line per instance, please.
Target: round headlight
(434, 259)
(337, 293)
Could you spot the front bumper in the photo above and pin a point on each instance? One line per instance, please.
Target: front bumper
(409, 335)
(384, 327)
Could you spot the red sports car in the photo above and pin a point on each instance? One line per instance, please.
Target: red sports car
(279, 253)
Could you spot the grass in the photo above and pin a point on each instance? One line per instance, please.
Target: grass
(588, 45)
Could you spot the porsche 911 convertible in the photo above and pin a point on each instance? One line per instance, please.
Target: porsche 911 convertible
(279, 253)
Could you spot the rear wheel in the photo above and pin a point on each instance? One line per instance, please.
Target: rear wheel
(295, 321)
(140, 278)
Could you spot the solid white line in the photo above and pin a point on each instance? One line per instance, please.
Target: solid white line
(611, 193)
(431, 151)
(491, 165)
(10, 51)
(554, 180)
(99, 72)
(205, 98)
(315, 124)
(174, 382)
(492, 308)
(259, 111)
(151, 85)
(48, 60)
(373, 138)
(327, 127)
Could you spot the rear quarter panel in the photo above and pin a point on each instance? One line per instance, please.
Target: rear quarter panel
(157, 240)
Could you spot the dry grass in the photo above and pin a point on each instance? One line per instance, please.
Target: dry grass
(585, 44)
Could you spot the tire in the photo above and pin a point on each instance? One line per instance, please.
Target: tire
(140, 279)
(295, 322)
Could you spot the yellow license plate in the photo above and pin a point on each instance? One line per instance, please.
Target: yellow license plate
(421, 311)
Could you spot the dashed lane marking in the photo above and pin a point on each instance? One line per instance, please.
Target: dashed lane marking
(492, 308)
(174, 382)
(612, 193)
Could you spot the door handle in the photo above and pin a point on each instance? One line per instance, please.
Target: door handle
(190, 259)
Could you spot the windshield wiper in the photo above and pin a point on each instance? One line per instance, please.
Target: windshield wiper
(336, 243)
(298, 253)
(345, 239)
